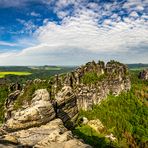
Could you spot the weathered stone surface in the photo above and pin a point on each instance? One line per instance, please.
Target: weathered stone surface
(7, 145)
(66, 104)
(40, 111)
(33, 123)
(34, 135)
(70, 94)
(73, 143)
(9, 103)
(84, 120)
(11, 139)
(144, 74)
(11, 98)
(116, 80)
(14, 87)
(53, 134)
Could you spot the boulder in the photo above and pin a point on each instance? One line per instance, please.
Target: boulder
(53, 135)
(84, 120)
(11, 98)
(39, 112)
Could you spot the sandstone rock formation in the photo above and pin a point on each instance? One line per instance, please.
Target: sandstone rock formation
(40, 111)
(38, 122)
(50, 135)
(66, 104)
(144, 74)
(69, 93)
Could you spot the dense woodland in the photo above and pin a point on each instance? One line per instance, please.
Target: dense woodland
(126, 116)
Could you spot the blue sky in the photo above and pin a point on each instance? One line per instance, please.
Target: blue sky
(72, 32)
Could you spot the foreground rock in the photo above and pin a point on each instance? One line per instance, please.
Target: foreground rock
(34, 124)
(66, 104)
(53, 135)
(39, 112)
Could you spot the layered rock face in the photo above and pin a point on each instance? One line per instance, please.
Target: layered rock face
(39, 122)
(50, 135)
(112, 78)
(66, 104)
(40, 111)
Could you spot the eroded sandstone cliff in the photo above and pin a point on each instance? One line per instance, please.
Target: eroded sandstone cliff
(61, 99)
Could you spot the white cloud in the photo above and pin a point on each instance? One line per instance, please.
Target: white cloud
(83, 32)
(3, 43)
(134, 14)
(139, 8)
(19, 3)
(62, 14)
(79, 37)
(29, 26)
(35, 14)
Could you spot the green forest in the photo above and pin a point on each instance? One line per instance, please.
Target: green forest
(126, 116)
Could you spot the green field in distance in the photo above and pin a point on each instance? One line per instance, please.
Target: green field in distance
(3, 74)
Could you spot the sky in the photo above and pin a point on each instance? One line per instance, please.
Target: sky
(72, 32)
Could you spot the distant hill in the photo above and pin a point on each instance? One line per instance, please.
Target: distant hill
(137, 66)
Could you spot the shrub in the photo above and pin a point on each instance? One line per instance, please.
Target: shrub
(92, 78)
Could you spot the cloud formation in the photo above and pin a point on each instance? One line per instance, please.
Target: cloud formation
(86, 31)
(35, 14)
(2, 43)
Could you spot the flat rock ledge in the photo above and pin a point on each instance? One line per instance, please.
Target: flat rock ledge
(37, 125)
(50, 135)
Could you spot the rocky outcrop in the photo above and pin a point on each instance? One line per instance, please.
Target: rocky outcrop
(52, 134)
(143, 75)
(69, 93)
(34, 124)
(38, 122)
(14, 87)
(66, 104)
(112, 78)
(40, 111)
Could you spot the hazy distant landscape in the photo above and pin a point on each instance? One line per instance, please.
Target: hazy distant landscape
(22, 73)
(46, 71)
